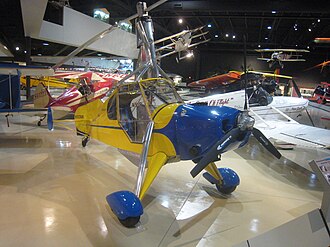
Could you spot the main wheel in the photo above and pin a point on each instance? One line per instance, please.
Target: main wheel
(227, 190)
(130, 221)
(84, 141)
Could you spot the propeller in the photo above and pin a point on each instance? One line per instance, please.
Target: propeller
(216, 149)
(266, 143)
(244, 124)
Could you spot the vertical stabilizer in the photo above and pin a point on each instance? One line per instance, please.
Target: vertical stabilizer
(42, 97)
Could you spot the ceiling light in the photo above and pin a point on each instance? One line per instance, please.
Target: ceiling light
(180, 21)
(259, 46)
(116, 22)
(234, 36)
(99, 54)
(25, 52)
(296, 45)
(269, 27)
(274, 12)
(17, 48)
(216, 36)
(190, 54)
(45, 44)
(307, 47)
(39, 54)
(266, 38)
(318, 20)
(309, 29)
(209, 25)
(227, 35)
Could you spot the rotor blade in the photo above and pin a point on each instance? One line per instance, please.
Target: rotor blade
(217, 148)
(101, 35)
(266, 143)
(84, 45)
(296, 88)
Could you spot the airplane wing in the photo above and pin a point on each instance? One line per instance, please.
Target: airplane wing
(263, 59)
(293, 132)
(216, 81)
(293, 60)
(283, 50)
(181, 41)
(178, 34)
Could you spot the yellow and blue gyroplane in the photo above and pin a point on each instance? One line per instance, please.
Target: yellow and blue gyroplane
(149, 123)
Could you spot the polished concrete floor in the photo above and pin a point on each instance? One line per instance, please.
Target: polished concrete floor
(52, 193)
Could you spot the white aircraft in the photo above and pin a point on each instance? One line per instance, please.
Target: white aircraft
(275, 120)
(278, 56)
(181, 43)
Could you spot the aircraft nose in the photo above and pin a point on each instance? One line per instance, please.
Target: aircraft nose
(245, 122)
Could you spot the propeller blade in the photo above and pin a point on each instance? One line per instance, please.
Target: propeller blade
(217, 148)
(50, 124)
(266, 143)
(296, 88)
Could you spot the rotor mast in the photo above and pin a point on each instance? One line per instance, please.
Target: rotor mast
(145, 40)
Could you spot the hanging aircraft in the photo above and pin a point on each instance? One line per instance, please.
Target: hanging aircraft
(278, 56)
(150, 124)
(181, 43)
(322, 40)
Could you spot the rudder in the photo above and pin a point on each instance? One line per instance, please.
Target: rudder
(42, 97)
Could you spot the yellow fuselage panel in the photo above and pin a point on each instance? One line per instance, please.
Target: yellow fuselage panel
(93, 120)
(162, 119)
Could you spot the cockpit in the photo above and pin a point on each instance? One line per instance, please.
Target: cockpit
(134, 104)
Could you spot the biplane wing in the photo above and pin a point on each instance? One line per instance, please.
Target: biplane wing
(181, 42)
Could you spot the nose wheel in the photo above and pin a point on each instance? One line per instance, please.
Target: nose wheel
(228, 182)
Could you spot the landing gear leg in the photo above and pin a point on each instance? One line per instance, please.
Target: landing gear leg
(41, 119)
(85, 141)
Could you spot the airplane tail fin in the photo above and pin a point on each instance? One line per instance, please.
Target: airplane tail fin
(42, 97)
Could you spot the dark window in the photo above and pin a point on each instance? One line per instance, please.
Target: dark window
(112, 114)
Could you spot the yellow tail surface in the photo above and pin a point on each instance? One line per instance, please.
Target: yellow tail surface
(41, 97)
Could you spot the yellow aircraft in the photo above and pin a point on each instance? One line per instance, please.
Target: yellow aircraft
(49, 81)
(149, 123)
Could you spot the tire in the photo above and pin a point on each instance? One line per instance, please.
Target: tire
(130, 221)
(84, 141)
(227, 190)
(39, 123)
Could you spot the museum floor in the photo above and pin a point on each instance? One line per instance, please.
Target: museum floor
(52, 193)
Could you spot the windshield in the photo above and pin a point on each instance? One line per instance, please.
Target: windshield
(160, 91)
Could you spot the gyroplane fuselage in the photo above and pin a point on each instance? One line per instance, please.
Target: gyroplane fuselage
(180, 132)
